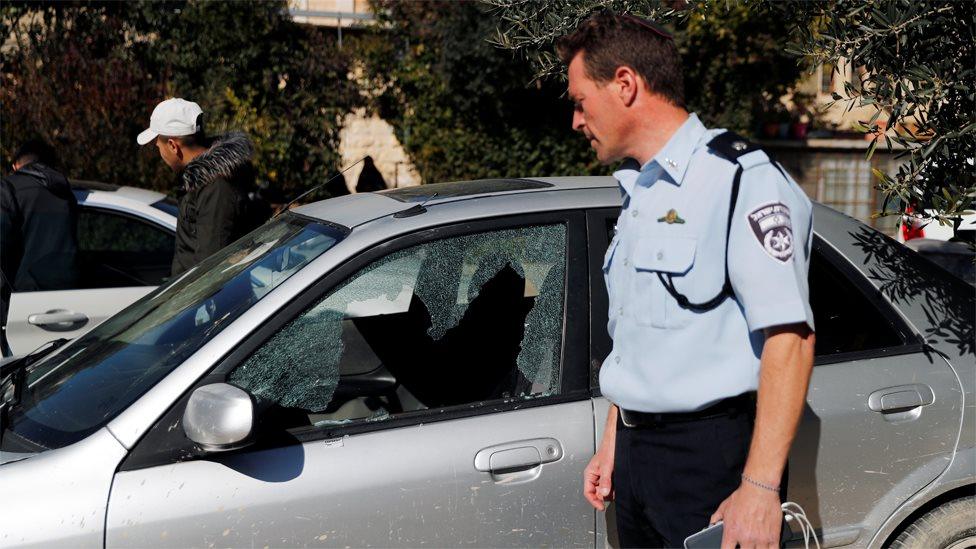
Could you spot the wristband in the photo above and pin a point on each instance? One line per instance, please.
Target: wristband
(760, 484)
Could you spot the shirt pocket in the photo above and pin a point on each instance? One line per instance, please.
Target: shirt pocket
(655, 257)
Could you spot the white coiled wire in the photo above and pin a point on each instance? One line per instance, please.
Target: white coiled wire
(794, 513)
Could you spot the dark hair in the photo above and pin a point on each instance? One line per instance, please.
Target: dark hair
(35, 150)
(198, 139)
(608, 40)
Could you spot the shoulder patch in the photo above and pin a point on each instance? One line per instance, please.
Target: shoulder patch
(773, 228)
(730, 146)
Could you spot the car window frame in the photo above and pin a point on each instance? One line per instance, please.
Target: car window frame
(598, 240)
(121, 213)
(574, 373)
(128, 214)
(911, 342)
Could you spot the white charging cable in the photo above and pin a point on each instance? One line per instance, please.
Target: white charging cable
(795, 513)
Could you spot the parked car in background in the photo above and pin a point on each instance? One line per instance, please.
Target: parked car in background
(126, 237)
(913, 227)
(951, 250)
(956, 257)
(419, 367)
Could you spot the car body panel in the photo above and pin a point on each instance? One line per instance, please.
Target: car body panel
(64, 491)
(850, 467)
(407, 486)
(862, 470)
(90, 306)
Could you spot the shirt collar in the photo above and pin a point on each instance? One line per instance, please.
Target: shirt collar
(673, 158)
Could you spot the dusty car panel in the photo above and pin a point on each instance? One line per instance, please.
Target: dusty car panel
(866, 456)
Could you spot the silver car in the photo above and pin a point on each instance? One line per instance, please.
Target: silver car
(418, 367)
(125, 249)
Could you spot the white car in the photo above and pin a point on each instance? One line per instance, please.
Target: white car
(913, 227)
(125, 249)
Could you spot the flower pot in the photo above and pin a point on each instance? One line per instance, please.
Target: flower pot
(799, 130)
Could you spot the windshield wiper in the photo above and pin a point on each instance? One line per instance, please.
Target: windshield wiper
(19, 364)
(13, 374)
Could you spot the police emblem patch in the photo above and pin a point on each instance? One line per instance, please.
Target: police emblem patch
(773, 228)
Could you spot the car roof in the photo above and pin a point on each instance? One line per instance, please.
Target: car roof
(120, 191)
(355, 209)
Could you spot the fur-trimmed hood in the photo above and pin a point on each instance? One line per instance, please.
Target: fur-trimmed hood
(228, 154)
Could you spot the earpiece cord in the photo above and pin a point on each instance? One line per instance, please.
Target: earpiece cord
(795, 512)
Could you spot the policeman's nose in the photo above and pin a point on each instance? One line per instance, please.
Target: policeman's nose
(578, 121)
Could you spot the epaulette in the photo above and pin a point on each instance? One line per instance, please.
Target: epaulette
(733, 147)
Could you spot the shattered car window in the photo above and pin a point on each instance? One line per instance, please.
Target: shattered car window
(444, 323)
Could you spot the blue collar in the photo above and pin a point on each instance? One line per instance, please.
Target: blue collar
(672, 159)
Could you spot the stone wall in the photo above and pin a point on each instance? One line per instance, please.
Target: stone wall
(364, 135)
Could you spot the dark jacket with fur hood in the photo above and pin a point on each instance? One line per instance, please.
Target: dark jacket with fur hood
(217, 208)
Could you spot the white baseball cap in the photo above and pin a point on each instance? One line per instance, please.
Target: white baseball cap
(173, 118)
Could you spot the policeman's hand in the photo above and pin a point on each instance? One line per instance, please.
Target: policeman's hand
(597, 486)
(752, 517)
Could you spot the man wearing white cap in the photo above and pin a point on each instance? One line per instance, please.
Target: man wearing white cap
(215, 173)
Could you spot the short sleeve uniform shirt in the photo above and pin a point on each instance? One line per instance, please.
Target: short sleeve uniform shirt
(667, 358)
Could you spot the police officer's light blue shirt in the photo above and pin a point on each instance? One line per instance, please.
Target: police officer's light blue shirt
(669, 359)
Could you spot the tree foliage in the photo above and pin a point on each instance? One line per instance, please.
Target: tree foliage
(732, 52)
(86, 75)
(460, 107)
(917, 71)
(915, 57)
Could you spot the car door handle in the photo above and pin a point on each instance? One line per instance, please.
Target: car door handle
(520, 454)
(900, 398)
(58, 320)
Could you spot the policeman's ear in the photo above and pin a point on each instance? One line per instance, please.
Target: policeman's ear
(628, 84)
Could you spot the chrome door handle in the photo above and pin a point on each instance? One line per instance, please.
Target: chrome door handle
(520, 454)
(900, 398)
(58, 320)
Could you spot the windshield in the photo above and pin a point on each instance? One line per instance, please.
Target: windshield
(77, 391)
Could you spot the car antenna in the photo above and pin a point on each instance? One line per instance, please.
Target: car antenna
(315, 188)
(415, 210)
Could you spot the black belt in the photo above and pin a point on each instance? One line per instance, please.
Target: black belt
(744, 403)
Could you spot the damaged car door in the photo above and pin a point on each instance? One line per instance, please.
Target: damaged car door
(433, 391)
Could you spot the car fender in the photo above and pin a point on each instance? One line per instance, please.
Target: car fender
(959, 474)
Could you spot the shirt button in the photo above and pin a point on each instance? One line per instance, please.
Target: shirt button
(617, 360)
(620, 311)
(626, 262)
(660, 256)
(633, 213)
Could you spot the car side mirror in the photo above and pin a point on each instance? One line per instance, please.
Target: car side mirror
(219, 417)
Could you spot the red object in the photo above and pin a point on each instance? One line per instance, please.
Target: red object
(910, 227)
(799, 130)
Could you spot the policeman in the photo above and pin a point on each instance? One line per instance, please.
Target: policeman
(709, 311)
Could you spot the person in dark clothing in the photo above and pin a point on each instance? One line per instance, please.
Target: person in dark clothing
(336, 186)
(370, 179)
(38, 228)
(215, 173)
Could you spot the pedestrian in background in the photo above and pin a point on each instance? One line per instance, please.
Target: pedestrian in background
(688, 440)
(217, 175)
(38, 228)
(370, 179)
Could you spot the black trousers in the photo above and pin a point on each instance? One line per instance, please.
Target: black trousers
(669, 478)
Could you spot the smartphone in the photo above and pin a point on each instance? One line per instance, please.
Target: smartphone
(711, 537)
